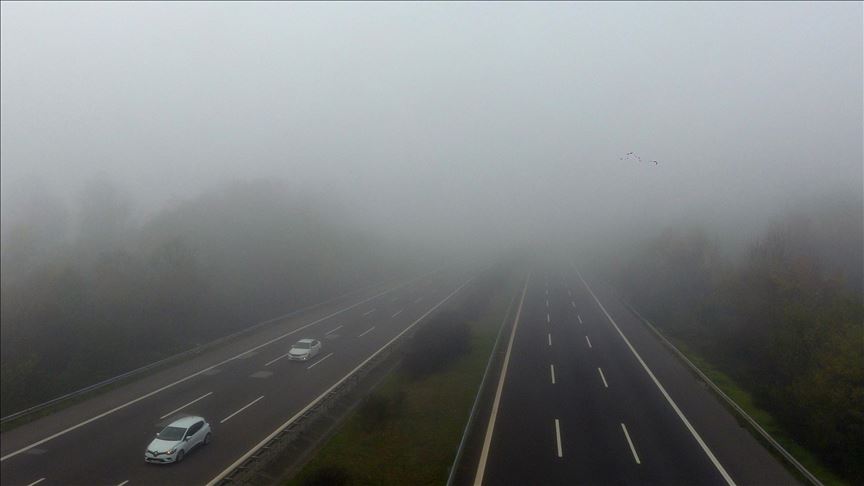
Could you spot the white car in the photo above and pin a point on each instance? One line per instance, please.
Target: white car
(304, 349)
(177, 439)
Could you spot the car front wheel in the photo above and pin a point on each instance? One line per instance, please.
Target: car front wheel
(180, 456)
(207, 438)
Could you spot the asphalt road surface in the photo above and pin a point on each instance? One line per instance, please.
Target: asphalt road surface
(590, 396)
(245, 390)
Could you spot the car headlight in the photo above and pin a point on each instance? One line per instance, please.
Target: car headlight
(172, 451)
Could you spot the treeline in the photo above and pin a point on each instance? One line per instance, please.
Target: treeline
(87, 300)
(784, 318)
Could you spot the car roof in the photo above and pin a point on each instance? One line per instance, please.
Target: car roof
(307, 340)
(185, 422)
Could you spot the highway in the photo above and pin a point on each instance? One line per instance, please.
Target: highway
(245, 389)
(587, 395)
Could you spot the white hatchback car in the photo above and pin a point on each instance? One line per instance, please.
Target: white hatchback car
(177, 439)
(304, 349)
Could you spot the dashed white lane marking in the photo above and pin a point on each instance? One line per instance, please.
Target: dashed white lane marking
(547, 291)
(547, 303)
(331, 331)
(632, 448)
(550, 339)
(367, 331)
(276, 359)
(558, 437)
(573, 304)
(238, 411)
(184, 406)
(417, 301)
(588, 341)
(36, 482)
(552, 372)
(547, 318)
(123, 483)
(603, 378)
(320, 360)
(369, 312)
(396, 314)
(569, 293)
(580, 318)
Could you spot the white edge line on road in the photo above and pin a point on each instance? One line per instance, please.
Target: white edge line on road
(367, 331)
(603, 378)
(34, 483)
(124, 482)
(490, 428)
(282, 427)
(238, 411)
(671, 402)
(184, 406)
(396, 314)
(588, 341)
(320, 360)
(193, 375)
(331, 331)
(632, 448)
(552, 372)
(558, 437)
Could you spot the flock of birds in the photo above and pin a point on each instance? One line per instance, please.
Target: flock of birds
(632, 155)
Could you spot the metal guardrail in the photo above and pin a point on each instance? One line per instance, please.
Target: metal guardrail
(183, 354)
(475, 407)
(755, 425)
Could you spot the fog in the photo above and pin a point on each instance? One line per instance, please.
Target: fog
(475, 123)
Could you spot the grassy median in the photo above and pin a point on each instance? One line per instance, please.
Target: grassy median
(408, 430)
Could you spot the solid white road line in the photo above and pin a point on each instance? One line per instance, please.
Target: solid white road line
(552, 372)
(660, 387)
(547, 317)
(36, 482)
(588, 340)
(490, 428)
(558, 437)
(320, 360)
(550, 339)
(632, 449)
(193, 375)
(276, 359)
(396, 314)
(123, 483)
(367, 331)
(580, 318)
(238, 411)
(603, 378)
(369, 312)
(331, 331)
(311, 404)
(184, 406)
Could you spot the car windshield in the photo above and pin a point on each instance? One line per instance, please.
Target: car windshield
(302, 345)
(171, 433)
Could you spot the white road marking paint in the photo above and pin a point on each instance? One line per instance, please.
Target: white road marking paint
(396, 314)
(671, 402)
(418, 300)
(580, 318)
(238, 411)
(603, 378)
(331, 331)
(547, 318)
(123, 483)
(558, 437)
(588, 341)
(367, 313)
(36, 482)
(490, 428)
(547, 291)
(573, 304)
(569, 293)
(367, 331)
(193, 375)
(552, 372)
(550, 339)
(276, 359)
(320, 397)
(632, 449)
(184, 406)
(547, 303)
(320, 360)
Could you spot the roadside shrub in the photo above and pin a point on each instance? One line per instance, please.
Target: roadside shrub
(442, 340)
(330, 475)
(378, 408)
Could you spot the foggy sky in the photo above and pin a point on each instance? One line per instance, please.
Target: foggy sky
(487, 120)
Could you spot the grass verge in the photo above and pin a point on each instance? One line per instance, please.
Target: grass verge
(408, 431)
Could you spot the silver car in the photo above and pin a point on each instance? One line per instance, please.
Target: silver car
(304, 349)
(177, 439)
